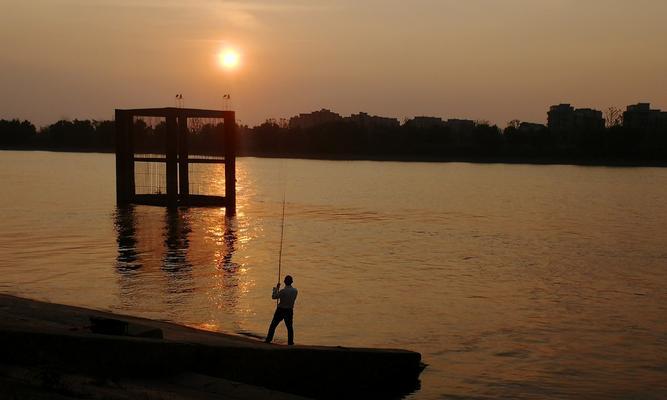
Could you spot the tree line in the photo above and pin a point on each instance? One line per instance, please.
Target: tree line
(347, 140)
(82, 135)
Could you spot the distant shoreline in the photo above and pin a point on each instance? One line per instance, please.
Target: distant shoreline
(408, 159)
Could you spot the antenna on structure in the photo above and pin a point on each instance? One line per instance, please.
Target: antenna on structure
(226, 99)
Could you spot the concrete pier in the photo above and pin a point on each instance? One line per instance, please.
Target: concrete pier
(39, 333)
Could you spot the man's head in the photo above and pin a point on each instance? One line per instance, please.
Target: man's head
(288, 280)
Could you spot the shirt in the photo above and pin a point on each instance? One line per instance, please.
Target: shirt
(287, 296)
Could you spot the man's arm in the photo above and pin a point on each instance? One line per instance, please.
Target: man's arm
(276, 292)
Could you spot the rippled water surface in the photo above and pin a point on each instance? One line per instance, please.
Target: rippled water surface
(513, 281)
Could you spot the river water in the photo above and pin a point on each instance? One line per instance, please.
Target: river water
(513, 281)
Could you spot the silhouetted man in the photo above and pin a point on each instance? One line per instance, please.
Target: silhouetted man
(285, 310)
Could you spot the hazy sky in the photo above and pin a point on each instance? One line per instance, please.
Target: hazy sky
(479, 59)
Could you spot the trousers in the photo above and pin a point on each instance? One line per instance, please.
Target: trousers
(286, 314)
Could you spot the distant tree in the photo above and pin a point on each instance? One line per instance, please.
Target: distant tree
(16, 133)
(211, 139)
(487, 139)
(515, 123)
(613, 116)
(143, 136)
(345, 139)
(266, 138)
(105, 134)
(77, 134)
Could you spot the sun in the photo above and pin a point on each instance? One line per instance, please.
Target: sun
(229, 59)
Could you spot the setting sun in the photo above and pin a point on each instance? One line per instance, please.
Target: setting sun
(229, 59)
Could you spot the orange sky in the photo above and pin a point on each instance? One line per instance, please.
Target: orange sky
(479, 59)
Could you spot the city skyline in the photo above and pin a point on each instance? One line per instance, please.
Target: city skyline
(306, 120)
(474, 60)
(579, 135)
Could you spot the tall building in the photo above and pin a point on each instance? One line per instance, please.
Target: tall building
(315, 118)
(586, 119)
(460, 126)
(425, 122)
(560, 117)
(530, 127)
(640, 116)
(564, 117)
(372, 121)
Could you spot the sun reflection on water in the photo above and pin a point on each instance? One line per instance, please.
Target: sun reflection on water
(205, 326)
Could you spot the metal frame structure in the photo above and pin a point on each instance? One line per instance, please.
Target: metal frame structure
(176, 159)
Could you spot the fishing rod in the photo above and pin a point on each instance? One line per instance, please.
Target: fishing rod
(282, 235)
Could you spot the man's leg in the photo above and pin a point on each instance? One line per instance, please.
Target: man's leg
(289, 317)
(277, 317)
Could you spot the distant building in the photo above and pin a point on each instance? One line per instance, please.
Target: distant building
(560, 117)
(372, 121)
(315, 118)
(564, 117)
(460, 126)
(530, 127)
(425, 122)
(641, 117)
(588, 119)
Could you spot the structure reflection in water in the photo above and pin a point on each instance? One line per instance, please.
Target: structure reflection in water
(127, 259)
(188, 255)
(175, 262)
